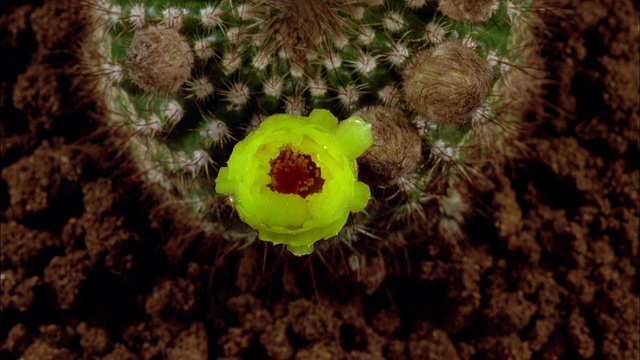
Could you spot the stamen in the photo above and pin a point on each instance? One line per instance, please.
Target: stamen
(293, 172)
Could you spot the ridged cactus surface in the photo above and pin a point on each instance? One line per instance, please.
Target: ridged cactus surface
(438, 80)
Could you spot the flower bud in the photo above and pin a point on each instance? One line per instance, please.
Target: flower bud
(469, 11)
(159, 60)
(447, 83)
(396, 149)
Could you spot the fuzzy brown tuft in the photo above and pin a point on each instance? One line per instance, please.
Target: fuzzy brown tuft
(303, 28)
(445, 84)
(159, 60)
(396, 149)
(469, 11)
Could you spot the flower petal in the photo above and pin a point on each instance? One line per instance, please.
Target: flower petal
(300, 249)
(224, 185)
(323, 118)
(361, 196)
(355, 136)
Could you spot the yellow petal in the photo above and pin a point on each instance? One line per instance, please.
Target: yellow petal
(300, 249)
(323, 118)
(361, 196)
(224, 185)
(354, 136)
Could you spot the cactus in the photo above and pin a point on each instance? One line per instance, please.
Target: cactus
(440, 82)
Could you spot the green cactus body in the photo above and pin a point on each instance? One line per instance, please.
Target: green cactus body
(255, 58)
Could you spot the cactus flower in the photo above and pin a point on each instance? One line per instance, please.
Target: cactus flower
(295, 179)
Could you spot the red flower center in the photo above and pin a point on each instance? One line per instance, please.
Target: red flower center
(293, 172)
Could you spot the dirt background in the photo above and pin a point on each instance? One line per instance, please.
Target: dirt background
(547, 268)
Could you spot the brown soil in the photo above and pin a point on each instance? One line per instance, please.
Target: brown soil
(548, 268)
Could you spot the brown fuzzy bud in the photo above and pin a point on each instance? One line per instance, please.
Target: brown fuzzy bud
(446, 83)
(396, 149)
(469, 11)
(159, 60)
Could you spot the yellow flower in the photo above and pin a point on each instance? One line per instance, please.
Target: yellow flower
(295, 178)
